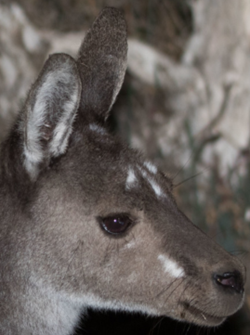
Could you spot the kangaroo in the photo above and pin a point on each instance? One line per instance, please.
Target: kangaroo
(86, 221)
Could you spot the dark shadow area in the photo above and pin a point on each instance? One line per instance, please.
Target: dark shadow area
(111, 323)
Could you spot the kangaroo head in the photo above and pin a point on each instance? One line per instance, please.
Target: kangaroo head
(87, 221)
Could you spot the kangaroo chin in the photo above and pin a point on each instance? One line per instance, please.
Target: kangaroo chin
(86, 221)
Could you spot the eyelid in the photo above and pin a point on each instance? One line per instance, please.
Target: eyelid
(119, 214)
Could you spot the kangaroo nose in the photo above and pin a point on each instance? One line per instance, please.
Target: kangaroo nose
(230, 280)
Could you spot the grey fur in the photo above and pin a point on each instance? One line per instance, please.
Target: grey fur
(55, 259)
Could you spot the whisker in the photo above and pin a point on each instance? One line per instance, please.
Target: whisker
(187, 179)
(156, 325)
(165, 289)
(238, 252)
(183, 167)
(174, 290)
(188, 328)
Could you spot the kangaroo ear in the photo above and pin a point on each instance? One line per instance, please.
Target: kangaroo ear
(102, 62)
(49, 112)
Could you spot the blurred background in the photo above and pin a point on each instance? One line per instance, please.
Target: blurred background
(185, 103)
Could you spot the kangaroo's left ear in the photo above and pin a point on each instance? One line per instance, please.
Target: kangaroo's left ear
(49, 113)
(102, 63)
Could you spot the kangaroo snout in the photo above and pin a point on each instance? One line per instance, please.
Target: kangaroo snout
(207, 281)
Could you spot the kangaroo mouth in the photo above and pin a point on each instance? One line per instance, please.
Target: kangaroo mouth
(203, 318)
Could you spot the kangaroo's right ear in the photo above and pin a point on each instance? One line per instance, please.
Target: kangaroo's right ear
(49, 113)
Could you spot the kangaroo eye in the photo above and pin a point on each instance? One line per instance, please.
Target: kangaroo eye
(116, 224)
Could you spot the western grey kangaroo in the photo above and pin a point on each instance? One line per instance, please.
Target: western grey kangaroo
(87, 221)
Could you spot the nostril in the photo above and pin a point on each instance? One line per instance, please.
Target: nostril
(231, 280)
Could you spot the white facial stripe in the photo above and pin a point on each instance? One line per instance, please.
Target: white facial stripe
(171, 267)
(98, 129)
(156, 188)
(151, 167)
(131, 179)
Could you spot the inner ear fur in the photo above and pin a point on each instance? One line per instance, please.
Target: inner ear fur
(49, 112)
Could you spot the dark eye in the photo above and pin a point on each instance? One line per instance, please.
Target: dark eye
(115, 224)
